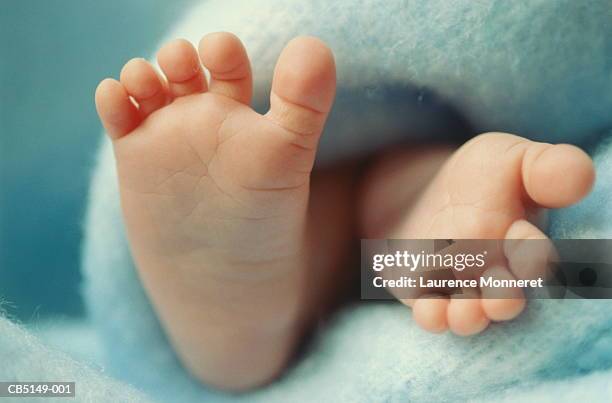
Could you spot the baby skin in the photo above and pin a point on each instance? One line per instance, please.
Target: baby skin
(217, 201)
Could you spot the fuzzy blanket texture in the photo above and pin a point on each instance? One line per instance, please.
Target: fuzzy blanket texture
(407, 70)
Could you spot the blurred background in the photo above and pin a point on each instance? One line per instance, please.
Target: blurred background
(52, 55)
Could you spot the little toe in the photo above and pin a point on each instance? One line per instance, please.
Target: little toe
(179, 62)
(466, 316)
(501, 303)
(144, 85)
(118, 114)
(557, 175)
(303, 88)
(430, 313)
(226, 60)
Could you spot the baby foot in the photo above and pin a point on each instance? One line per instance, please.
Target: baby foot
(487, 190)
(215, 195)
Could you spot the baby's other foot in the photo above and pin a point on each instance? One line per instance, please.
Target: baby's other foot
(489, 189)
(214, 197)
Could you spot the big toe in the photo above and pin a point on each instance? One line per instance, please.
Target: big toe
(557, 175)
(303, 87)
(302, 93)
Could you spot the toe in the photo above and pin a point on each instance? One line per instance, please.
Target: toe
(429, 312)
(179, 62)
(528, 250)
(226, 59)
(466, 317)
(501, 303)
(303, 88)
(118, 114)
(144, 85)
(557, 175)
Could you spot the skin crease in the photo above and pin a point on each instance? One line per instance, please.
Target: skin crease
(229, 229)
